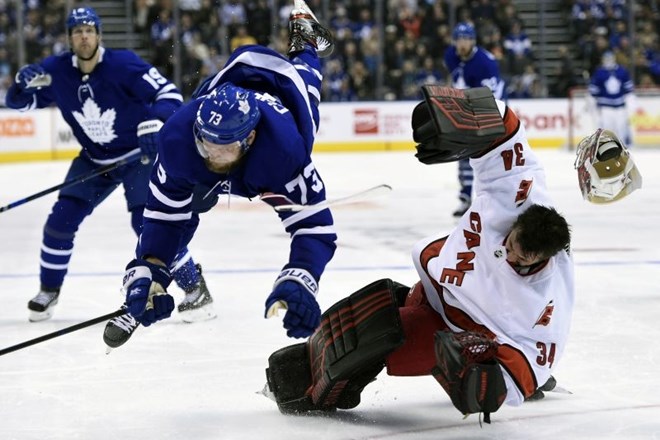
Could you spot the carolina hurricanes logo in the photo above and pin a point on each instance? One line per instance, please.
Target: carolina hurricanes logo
(546, 315)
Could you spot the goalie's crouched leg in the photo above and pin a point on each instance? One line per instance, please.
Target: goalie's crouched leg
(344, 354)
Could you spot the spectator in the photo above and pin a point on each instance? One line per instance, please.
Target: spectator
(259, 21)
(241, 38)
(565, 73)
(518, 49)
(162, 39)
(232, 14)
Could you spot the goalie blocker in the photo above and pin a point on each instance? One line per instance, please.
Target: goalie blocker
(453, 124)
(351, 347)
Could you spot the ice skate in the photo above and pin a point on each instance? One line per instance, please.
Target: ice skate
(198, 304)
(42, 306)
(119, 330)
(304, 27)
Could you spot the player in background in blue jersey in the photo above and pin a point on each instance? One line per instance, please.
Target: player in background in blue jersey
(248, 132)
(612, 97)
(115, 104)
(470, 66)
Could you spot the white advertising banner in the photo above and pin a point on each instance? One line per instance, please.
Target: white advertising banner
(25, 132)
(354, 126)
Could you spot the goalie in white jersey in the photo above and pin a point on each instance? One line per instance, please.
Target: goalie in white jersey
(491, 315)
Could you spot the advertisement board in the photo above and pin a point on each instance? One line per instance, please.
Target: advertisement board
(352, 126)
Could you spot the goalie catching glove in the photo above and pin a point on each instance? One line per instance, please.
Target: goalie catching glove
(606, 170)
(469, 372)
(452, 124)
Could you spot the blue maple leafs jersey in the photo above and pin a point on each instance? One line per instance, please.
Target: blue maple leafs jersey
(277, 162)
(610, 86)
(103, 108)
(480, 70)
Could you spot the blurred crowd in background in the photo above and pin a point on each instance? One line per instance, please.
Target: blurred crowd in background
(415, 35)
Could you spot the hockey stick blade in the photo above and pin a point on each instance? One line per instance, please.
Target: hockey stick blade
(375, 191)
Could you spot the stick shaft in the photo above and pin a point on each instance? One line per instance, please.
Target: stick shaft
(62, 332)
(97, 172)
(367, 193)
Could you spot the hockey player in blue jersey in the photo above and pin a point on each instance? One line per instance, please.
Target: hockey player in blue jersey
(470, 66)
(248, 132)
(612, 97)
(115, 104)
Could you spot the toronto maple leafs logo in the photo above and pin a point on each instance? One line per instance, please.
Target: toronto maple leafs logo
(244, 106)
(97, 125)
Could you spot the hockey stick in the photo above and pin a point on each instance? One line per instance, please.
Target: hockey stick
(63, 331)
(97, 172)
(282, 204)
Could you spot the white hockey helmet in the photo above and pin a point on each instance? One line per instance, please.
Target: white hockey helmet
(606, 170)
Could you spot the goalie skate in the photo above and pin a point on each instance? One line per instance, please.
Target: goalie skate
(198, 303)
(304, 28)
(42, 306)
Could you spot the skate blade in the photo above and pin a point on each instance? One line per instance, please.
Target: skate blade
(40, 316)
(204, 313)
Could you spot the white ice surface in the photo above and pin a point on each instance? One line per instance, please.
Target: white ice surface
(200, 381)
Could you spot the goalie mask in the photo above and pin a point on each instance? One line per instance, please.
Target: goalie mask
(606, 170)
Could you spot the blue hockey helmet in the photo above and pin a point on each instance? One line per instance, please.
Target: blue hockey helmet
(464, 30)
(80, 16)
(226, 115)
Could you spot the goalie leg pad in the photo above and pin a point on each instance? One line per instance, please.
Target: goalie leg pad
(348, 349)
(469, 372)
(343, 355)
(289, 376)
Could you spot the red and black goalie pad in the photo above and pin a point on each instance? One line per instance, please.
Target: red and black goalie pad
(288, 377)
(344, 354)
(348, 349)
(469, 372)
(452, 124)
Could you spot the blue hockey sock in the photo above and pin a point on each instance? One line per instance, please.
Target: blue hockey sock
(57, 244)
(184, 272)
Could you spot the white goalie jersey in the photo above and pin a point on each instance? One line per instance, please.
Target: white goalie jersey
(469, 282)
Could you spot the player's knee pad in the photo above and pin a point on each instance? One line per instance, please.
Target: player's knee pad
(344, 354)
